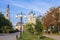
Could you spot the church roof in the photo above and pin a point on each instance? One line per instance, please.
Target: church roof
(8, 6)
(31, 13)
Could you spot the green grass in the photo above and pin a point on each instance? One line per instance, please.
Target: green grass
(28, 36)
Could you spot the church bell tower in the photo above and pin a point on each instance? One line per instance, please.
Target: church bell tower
(8, 12)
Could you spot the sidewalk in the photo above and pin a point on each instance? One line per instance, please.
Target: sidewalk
(55, 37)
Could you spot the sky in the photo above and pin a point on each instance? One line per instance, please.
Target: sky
(40, 7)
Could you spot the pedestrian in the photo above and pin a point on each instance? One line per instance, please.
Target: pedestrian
(16, 36)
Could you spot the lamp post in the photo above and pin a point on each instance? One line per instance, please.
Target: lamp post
(21, 28)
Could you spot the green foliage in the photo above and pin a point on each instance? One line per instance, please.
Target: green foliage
(29, 36)
(1, 19)
(38, 27)
(8, 23)
(30, 28)
(6, 29)
(5, 24)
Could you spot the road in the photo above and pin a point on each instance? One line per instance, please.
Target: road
(11, 36)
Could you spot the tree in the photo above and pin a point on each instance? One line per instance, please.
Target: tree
(52, 18)
(5, 24)
(30, 28)
(38, 27)
(1, 19)
(6, 29)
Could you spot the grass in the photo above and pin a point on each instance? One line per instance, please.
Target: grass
(28, 36)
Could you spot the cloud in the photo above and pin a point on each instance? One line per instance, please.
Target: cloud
(37, 6)
(28, 6)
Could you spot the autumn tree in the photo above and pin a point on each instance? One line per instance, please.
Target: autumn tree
(52, 18)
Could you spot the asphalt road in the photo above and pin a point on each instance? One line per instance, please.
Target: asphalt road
(11, 36)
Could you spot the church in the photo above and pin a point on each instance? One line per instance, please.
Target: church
(7, 12)
(31, 18)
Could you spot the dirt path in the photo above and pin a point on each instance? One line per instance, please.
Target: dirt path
(55, 37)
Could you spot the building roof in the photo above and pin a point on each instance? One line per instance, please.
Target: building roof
(8, 6)
(32, 13)
(18, 23)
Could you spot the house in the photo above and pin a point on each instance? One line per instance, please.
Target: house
(18, 26)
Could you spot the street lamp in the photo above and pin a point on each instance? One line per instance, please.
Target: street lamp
(21, 17)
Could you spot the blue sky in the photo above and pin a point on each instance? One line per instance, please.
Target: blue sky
(16, 6)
